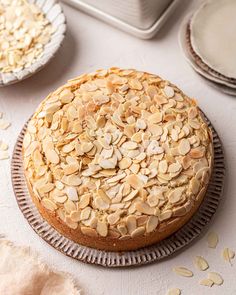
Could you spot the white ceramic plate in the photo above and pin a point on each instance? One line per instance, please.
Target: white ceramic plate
(213, 35)
(55, 15)
(219, 84)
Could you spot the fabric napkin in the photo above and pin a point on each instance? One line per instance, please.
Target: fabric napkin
(23, 273)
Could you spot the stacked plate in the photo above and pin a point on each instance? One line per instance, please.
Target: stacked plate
(208, 41)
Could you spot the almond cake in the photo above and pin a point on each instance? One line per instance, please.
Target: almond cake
(117, 159)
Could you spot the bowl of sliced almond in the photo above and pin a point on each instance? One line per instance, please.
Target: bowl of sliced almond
(31, 32)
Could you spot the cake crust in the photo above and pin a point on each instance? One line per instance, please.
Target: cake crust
(114, 201)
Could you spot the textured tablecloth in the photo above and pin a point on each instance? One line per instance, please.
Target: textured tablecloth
(91, 44)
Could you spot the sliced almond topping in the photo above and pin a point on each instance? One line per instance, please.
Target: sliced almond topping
(216, 278)
(151, 224)
(212, 240)
(155, 118)
(85, 213)
(168, 91)
(89, 231)
(138, 232)
(131, 223)
(102, 228)
(52, 156)
(48, 204)
(184, 146)
(131, 195)
(125, 163)
(86, 147)
(116, 178)
(175, 167)
(84, 201)
(144, 208)
(72, 193)
(163, 166)
(176, 195)
(165, 215)
(75, 216)
(100, 204)
(135, 181)
(201, 263)
(183, 271)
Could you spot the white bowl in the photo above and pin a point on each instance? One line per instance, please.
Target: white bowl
(53, 12)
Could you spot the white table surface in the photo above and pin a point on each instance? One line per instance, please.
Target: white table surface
(89, 45)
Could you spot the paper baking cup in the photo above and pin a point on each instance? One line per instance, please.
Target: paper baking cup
(169, 246)
(53, 12)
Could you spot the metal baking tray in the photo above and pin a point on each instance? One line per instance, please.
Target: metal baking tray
(141, 18)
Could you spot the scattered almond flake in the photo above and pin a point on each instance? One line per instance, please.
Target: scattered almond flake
(4, 124)
(174, 291)
(206, 282)
(24, 32)
(4, 155)
(216, 278)
(228, 255)
(212, 240)
(201, 263)
(3, 146)
(183, 271)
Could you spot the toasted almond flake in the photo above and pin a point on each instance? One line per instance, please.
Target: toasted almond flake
(165, 215)
(88, 231)
(138, 232)
(201, 263)
(125, 163)
(212, 240)
(85, 213)
(206, 282)
(184, 146)
(183, 271)
(116, 178)
(135, 181)
(52, 156)
(102, 228)
(48, 204)
(101, 204)
(84, 201)
(75, 216)
(163, 166)
(140, 124)
(72, 193)
(66, 96)
(129, 145)
(144, 208)
(155, 118)
(131, 195)
(86, 147)
(216, 278)
(175, 167)
(174, 291)
(168, 91)
(151, 224)
(108, 163)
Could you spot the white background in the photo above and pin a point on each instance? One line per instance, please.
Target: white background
(89, 45)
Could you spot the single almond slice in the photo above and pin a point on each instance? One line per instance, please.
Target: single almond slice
(174, 291)
(183, 271)
(206, 282)
(201, 263)
(216, 278)
(228, 254)
(212, 240)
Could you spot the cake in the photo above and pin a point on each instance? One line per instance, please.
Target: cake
(117, 159)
